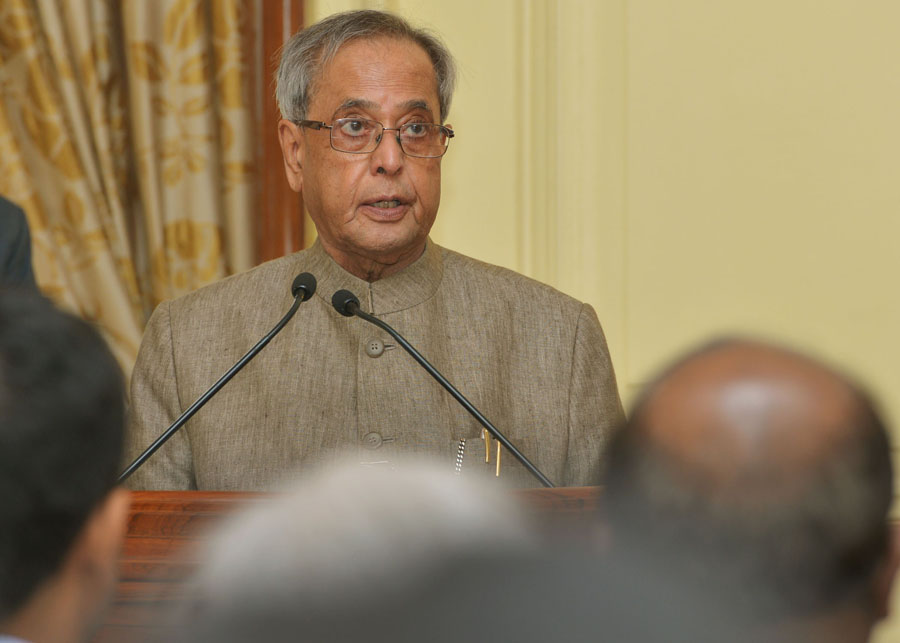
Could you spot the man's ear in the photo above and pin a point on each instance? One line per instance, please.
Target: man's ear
(290, 135)
(884, 577)
(95, 555)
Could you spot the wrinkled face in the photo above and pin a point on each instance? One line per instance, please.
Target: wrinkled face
(378, 206)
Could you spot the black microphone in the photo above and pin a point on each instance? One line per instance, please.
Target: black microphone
(303, 288)
(346, 303)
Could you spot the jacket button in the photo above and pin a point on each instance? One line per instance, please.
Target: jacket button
(372, 440)
(374, 347)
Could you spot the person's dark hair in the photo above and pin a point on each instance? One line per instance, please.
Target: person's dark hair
(308, 51)
(812, 546)
(61, 433)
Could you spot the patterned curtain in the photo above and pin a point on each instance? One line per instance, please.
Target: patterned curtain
(127, 136)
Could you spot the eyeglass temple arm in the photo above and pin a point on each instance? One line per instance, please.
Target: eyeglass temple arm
(313, 124)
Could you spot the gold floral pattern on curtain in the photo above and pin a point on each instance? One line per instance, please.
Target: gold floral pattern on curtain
(127, 136)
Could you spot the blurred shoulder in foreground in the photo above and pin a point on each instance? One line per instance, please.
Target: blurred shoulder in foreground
(15, 247)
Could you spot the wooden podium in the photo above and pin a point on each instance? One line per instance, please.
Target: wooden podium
(166, 531)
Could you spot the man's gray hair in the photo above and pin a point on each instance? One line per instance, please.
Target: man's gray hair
(308, 51)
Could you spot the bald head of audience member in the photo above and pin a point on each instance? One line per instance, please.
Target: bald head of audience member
(764, 477)
(62, 520)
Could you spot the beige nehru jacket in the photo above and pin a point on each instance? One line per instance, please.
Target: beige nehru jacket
(532, 360)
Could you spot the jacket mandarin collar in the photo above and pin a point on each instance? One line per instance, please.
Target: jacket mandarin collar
(405, 289)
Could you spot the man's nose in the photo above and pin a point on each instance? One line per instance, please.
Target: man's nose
(388, 157)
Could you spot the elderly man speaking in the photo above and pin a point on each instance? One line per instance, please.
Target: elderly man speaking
(364, 97)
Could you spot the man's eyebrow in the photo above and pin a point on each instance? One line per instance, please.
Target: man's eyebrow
(416, 103)
(350, 103)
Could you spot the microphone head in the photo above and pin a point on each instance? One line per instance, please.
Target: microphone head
(345, 302)
(305, 283)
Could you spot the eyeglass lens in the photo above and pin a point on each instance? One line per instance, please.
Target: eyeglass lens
(358, 135)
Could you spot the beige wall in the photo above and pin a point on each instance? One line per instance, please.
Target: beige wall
(689, 168)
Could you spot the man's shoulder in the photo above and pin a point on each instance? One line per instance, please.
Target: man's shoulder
(12, 221)
(489, 280)
(10, 210)
(267, 285)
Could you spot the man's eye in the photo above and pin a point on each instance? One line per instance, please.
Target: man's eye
(417, 130)
(355, 127)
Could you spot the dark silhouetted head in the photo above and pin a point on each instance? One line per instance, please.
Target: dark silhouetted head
(61, 432)
(761, 475)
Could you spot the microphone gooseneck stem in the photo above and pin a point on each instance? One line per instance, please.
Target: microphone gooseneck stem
(354, 308)
(299, 297)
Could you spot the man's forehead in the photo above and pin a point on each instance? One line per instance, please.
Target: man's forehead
(377, 73)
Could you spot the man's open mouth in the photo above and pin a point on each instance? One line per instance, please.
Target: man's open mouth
(385, 204)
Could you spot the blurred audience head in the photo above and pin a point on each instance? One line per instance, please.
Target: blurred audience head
(418, 554)
(764, 478)
(334, 556)
(61, 431)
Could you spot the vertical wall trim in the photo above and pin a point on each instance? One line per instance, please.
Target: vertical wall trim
(571, 188)
(537, 55)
